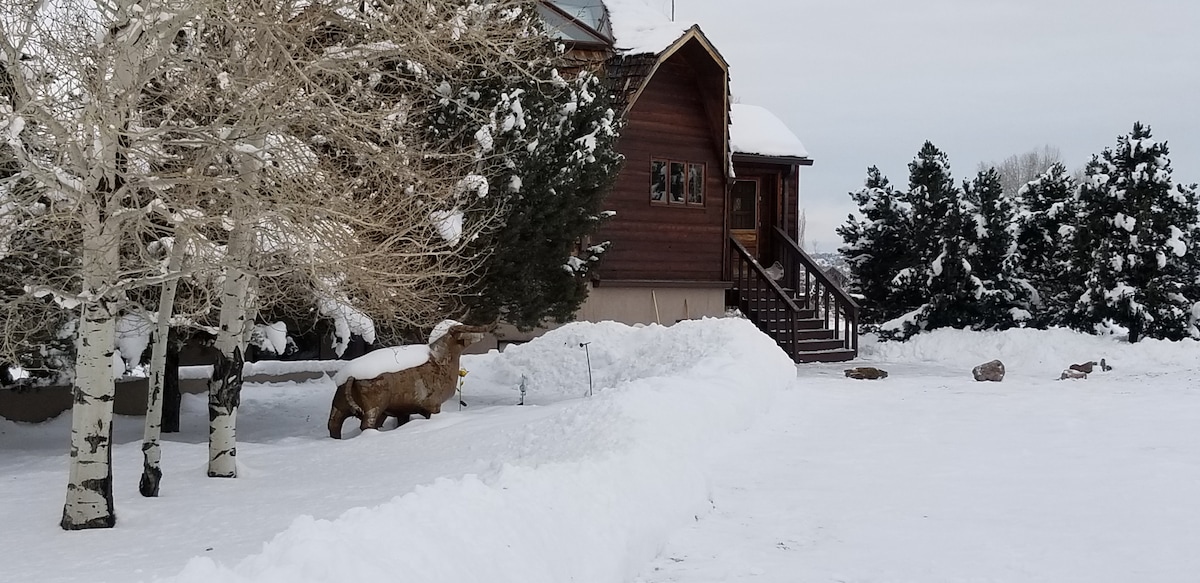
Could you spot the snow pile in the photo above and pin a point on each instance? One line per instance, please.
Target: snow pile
(1030, 352)
(133, 336)
(755, 130)
(598, 484)
(383, 360)
(272, 338)
(652, 351)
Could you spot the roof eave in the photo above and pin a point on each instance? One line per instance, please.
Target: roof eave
(766, 159)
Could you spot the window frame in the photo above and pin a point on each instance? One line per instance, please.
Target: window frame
(662, 173)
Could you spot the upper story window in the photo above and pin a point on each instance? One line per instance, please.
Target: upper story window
(674, 182)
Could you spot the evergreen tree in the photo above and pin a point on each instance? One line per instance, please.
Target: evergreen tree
(877, 246)
(1045, 230)
(1138, 236)
(1005, 299)
(549, 153)
(940, 282)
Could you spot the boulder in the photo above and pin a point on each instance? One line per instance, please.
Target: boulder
(989, 371)
(869, 373)
(1085, 368)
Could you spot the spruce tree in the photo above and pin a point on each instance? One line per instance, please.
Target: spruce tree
(1045, 231)
(877, 246)
(549, 150)
(1005, 299)
(940, 280)
(1138, 239)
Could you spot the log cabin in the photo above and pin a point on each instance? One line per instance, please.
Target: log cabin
(708, 200)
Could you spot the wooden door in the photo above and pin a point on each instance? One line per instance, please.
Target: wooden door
(744, 213)
(753, 212)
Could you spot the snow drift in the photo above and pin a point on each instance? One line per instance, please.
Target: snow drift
(1031, 352)
(597, 485)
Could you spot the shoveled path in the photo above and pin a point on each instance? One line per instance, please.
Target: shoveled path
(927, 477)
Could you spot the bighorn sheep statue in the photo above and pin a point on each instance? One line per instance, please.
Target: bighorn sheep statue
(401, 381)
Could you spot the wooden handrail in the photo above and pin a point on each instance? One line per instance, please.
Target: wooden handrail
(762, 274)
(843, 297)
(779, 313)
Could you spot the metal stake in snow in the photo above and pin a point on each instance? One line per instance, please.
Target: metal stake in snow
(462, 376)
(586, 354)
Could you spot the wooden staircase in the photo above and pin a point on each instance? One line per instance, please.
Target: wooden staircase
(809, 316)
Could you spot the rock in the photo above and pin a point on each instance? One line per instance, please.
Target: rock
(869, 373)
(989, 371)
(1084, 368)
(1071, 373)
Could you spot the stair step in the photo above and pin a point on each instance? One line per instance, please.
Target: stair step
(782, 315)
(841, 355)
(786, 335)
(812, 345)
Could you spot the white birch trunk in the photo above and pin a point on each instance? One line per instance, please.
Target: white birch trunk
(151, 445)
(225, 386)
(89, 501)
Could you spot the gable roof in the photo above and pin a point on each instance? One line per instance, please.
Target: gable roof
(642, 39)
(754, 130)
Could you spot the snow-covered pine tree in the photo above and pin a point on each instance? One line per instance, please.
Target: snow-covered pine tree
(877, 246)
(1045, 226)
(1005, 300)
(550, 158)
(940, 283)
(1139, 241)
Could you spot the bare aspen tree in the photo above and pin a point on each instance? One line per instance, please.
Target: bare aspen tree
(326, 180)
(75, 70)
(148, 485)
(1019, 169)
(284, 137)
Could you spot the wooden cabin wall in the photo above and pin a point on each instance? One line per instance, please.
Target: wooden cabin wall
(674, 242)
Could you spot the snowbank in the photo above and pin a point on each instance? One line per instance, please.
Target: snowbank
(600, 482)
(1031, 352)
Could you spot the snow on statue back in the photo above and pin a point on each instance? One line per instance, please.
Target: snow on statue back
(400, 381)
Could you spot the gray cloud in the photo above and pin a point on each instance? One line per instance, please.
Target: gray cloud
(866, 82)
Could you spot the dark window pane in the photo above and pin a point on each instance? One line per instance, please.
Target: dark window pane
(658, 181)
(743, 204)
(677, 181)
(695, 184)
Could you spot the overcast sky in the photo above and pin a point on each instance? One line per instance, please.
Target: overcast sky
(866, 82)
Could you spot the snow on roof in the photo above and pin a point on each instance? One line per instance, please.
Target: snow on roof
(755, 130)
(640, 27)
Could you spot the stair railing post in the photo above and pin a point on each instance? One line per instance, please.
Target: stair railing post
(795, 345)
(837, 323)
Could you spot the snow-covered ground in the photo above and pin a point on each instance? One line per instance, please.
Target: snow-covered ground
(700, 446)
